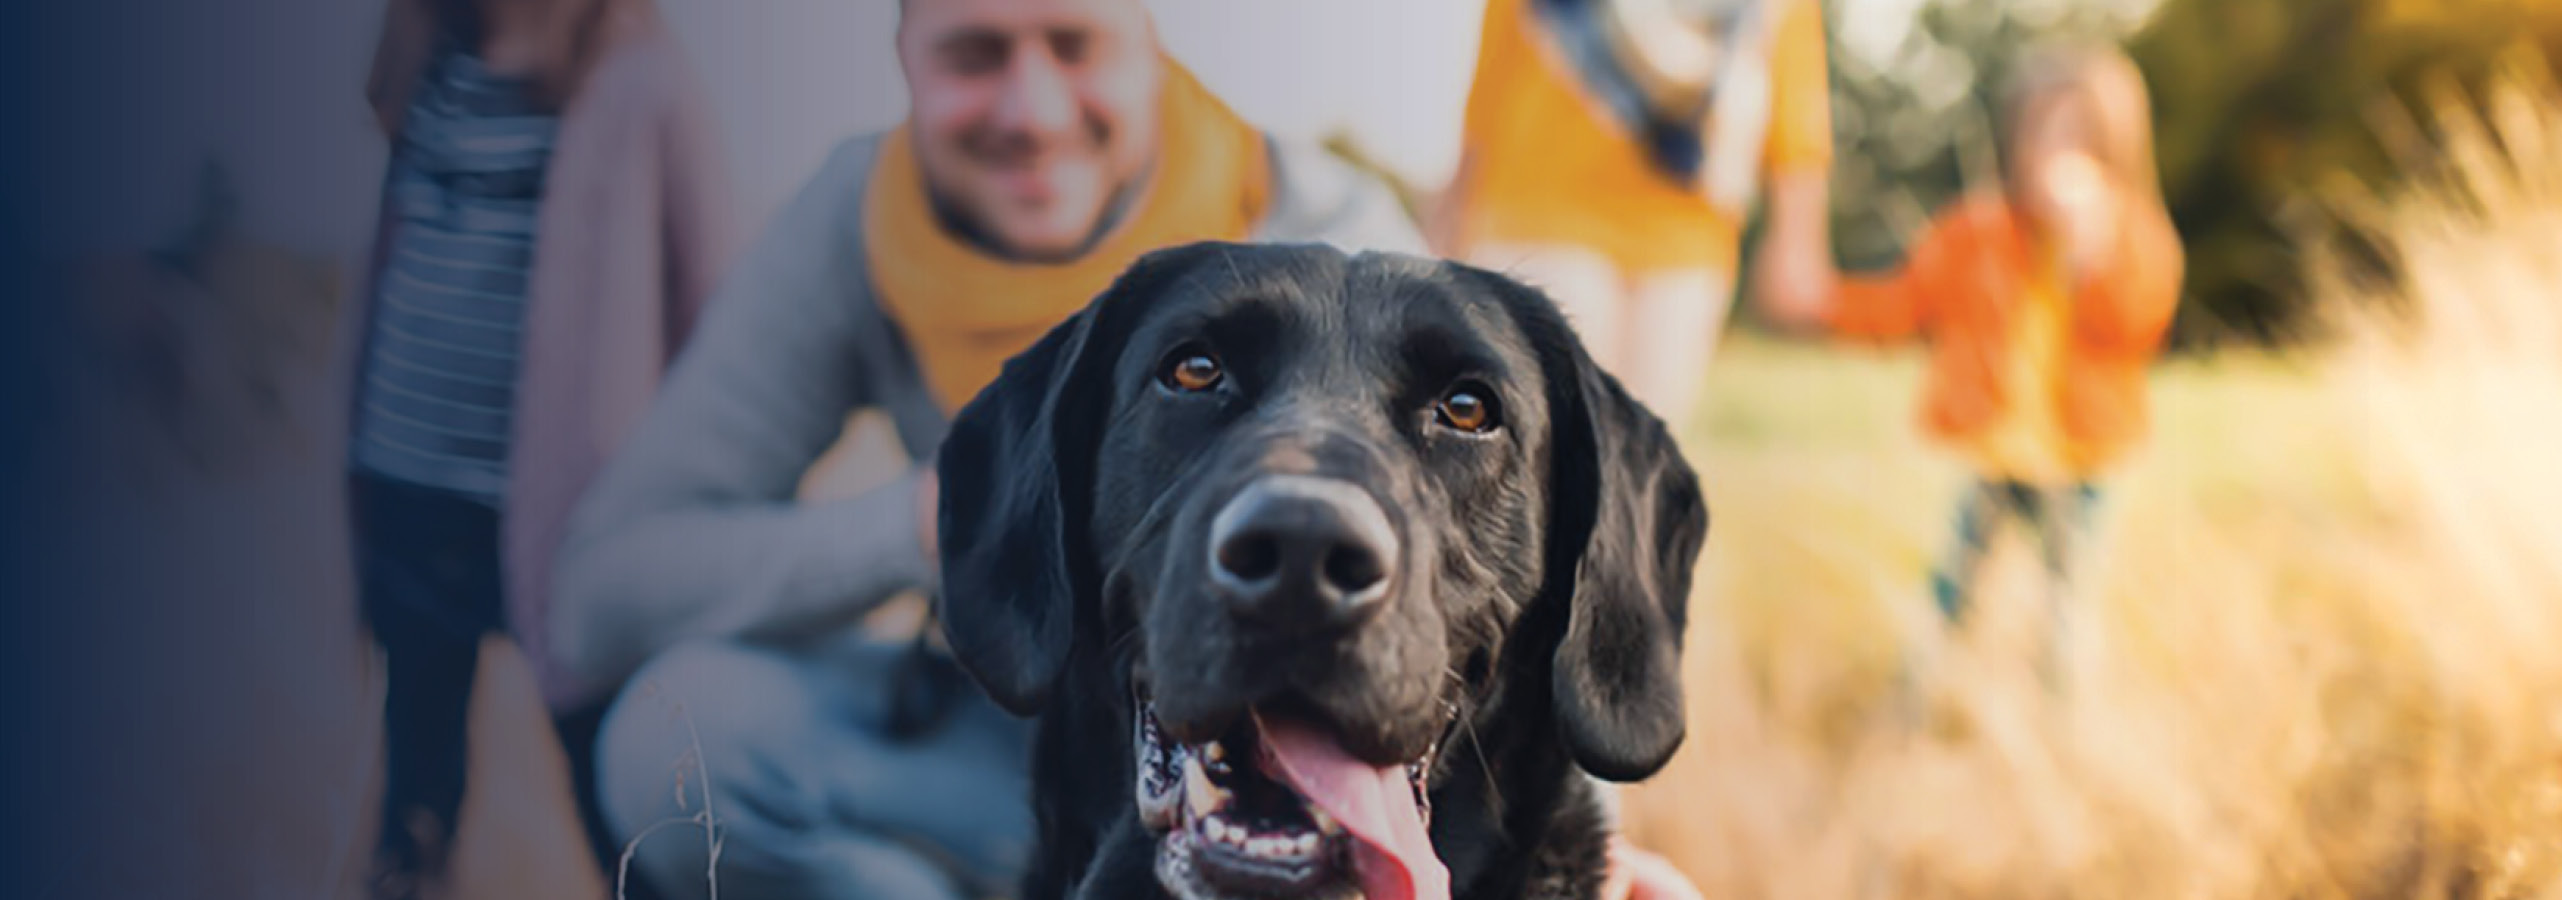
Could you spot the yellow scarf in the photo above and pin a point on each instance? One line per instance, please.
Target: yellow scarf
(965, 312)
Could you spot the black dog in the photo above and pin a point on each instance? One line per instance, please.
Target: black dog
(1346, 551)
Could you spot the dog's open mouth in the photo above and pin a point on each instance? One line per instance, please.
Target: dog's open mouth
(1276, 808)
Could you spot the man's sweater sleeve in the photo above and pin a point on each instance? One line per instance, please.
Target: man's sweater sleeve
(693, 530)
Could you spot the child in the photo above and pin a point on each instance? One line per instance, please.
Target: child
(552, 219)
(2043, 304)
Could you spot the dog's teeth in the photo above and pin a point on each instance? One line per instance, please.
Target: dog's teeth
(1307, 845)
(1199, 795)
(1215, 751)
(1325, 823)
(1217, 830)
(1259, 847)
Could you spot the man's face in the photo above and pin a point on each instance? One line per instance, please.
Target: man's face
(1031, 115)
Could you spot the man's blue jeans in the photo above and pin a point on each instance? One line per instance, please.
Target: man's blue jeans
(811, 794)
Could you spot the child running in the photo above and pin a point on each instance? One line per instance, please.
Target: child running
(2043, 303)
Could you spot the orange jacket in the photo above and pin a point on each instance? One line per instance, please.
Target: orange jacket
(1959, 286)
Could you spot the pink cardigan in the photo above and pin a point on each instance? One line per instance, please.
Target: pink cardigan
(635, 225)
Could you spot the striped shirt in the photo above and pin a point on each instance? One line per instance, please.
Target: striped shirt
(441, 361)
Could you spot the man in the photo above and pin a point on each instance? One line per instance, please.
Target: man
(1049, 143)
(1612, 150)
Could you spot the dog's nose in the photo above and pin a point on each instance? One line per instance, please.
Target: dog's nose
(1297, 553)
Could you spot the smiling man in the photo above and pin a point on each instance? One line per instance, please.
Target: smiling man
(1050, 143)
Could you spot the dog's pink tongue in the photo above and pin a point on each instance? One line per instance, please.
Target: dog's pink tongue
(1392, 853)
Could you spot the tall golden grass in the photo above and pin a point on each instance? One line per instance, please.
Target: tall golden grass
(2330, 604)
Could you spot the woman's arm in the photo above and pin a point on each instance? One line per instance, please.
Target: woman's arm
(700, 220)
(1793, 269)
(400, 53)
(1795, 272)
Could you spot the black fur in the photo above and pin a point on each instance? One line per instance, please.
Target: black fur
(1539, 589)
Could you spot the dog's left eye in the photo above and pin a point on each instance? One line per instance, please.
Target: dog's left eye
(1191, 369)
(1468, 407)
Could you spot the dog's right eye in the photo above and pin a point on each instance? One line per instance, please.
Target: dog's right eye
(1468, 408)
(1191, 369)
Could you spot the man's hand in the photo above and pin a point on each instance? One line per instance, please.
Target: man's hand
(1639, 875)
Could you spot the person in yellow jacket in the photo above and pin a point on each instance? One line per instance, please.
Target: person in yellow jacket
(1612, 151)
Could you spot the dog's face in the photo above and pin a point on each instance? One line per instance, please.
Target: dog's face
(1312, 506)
(1276, 490)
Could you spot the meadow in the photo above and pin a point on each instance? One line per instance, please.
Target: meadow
(2328, 617)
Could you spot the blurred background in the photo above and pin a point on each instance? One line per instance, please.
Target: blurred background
(2332, 596)
(2267, 110)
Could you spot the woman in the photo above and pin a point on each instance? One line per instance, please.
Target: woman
(1612, 150)
(553, 216)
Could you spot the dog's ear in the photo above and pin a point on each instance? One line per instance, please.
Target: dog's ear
(1017, 475)
(1628, 524)
(1626, 521)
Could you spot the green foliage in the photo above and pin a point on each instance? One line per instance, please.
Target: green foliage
(2266, 110)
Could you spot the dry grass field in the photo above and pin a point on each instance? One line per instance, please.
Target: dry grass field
(2330, 611)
